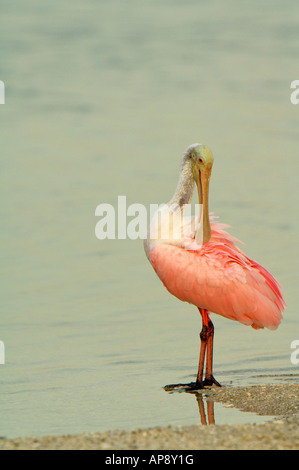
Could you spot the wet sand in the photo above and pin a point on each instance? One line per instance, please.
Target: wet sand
(280, 401)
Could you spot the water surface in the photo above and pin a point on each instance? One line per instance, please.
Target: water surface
(101, 100)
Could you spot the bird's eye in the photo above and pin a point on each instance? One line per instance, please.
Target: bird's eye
(200, 160)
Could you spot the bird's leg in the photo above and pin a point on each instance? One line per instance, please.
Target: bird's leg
(206, 352)
(209, 379)
(207, 337)
(203, 347)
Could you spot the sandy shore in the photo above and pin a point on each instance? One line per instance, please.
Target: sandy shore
(280, 401)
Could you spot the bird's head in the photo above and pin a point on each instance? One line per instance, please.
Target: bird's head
(202, 160)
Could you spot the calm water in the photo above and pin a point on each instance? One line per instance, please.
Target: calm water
(101, 100)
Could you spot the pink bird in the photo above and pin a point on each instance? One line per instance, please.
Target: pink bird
(198, 262)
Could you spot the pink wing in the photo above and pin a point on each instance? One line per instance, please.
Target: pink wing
(221, 279)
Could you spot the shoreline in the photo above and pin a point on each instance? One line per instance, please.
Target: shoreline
(281, 401)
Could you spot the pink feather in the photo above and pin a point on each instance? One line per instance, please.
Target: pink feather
(222, 279)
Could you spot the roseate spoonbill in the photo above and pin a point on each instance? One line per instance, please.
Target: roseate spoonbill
(204, 267)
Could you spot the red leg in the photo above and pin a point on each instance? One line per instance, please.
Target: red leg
(203, 346)
(207, 337)
(206, 352)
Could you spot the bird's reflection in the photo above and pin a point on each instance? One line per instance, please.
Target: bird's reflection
(207, 416)
(210, 411)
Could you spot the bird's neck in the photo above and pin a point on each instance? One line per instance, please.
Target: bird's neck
(184, 191)
(168, 225)
(206, 232)
(183, 195)
(167, 222)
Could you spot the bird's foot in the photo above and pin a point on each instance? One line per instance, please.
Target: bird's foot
(193, 386)
(190, 387)
(211, 381)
